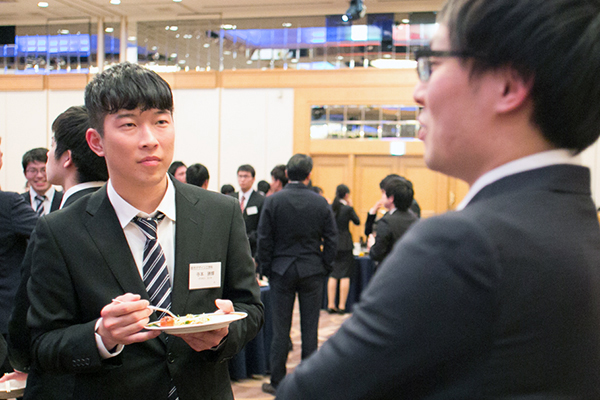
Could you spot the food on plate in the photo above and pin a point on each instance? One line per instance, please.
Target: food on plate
(189, 319)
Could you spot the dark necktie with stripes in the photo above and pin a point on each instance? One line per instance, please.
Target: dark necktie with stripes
(39, 208)
(155, 273)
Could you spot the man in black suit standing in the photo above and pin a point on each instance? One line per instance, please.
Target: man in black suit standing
(17, 220)
(295, 223)
(251, 202)
(74, 166)
(501, 298)
(396, 198)
(141, 239)
(41, 195)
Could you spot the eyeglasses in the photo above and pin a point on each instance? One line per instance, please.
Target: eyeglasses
(34, 172)
(424, 60)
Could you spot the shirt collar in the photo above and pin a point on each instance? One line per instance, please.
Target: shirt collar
(49, 193)
(125, 211)
(246, 194)
(534, 161)
(79, 187)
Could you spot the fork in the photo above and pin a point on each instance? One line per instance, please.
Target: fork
(154, 308)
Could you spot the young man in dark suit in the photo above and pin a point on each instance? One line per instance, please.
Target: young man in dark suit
(74, 166)
(41, 195)
(251, 202)
(97, 263)
(17, 221)
(295, 223)
(500, 299)
(396, 198)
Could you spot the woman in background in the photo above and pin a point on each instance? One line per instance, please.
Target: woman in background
(343, 266)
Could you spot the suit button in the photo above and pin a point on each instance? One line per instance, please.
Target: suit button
(170, 358)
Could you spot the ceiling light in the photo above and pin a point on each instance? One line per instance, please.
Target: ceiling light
(228, 26)
(177, 1)
(286, 24)
(42, 4)
(64, 31)
(109, 30)
(227, 53)
(115, 2)
(173, 55)
(187, 36)
(206, 45)
(132, 38)
(356, 10)
(405, 21)
(173, 28)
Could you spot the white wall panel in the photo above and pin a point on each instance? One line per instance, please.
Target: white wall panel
(59, 101)
(197, 130)
(23, 117)
(256, 129)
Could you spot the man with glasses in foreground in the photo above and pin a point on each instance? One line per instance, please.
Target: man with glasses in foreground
(500, 299)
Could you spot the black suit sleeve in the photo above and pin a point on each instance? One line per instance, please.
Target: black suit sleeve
(353, 217)
(412, 315)
(23, 217)
(265, 244)
(383, 241)
(369, 224)
(330, 239)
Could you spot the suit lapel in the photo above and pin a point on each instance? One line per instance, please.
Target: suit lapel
(106, 232)
(188, 239)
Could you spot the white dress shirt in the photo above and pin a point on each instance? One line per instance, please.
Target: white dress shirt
(246, 197)
(79, 187)
(47, 201)
(534, 161)
(136, 239)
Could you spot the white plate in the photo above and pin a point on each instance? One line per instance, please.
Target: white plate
(217, 321)
(16, 389)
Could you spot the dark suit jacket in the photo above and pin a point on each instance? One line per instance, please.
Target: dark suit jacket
(56, 200)
(17, 221)
(295, 222)
(251, 220)
(390, 228)
(39, 386)
(342, 219)
(414, 208)
(81, 260)
(497, 301)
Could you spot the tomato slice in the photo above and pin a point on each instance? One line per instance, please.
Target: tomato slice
(167, 321)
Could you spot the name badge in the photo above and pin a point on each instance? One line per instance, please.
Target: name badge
(205, 275)
(252, 210)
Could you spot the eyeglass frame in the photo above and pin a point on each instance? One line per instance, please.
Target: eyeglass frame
(424, 66)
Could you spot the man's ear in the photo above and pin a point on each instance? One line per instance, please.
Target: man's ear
(95, 141)
(516, 90)
(67, 159)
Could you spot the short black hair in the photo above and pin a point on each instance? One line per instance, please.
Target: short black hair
(227, 189)
(263, 186)
(299, 167)
(38, 154)
(125, 86)
(388, 178)
(69, 130)
(402, 192)
(278, 173)
(196, 174)
(247, 168)
(175, 166)
(555, 44)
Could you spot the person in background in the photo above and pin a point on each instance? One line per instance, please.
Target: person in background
(343, 265)
(501, 298)
(263, 187)
(41, 195)
(317, 190)
(74, 166)
(397, 197)
(228, 189)
(297, 240)
(144, 238)
(278, 179)
(178, 170)
(251, 202)
(197, 174)
(372, 215)
(17, 220)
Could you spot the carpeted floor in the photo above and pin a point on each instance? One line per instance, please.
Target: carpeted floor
(250, 389)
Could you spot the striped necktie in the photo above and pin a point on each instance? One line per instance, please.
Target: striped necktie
(154, 267)
(156, 275)
(39, 208)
